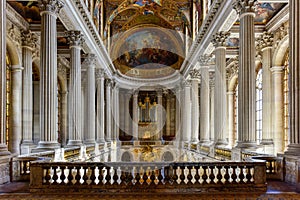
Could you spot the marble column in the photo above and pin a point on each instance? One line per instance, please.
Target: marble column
(204, 100)
(247, 75)
(75, 39)
(160, 117)
(127, 116)
(90, 131)
(108, 111)
(29, 43)
(168, 115)
(115, 112)
(195, 79)
(186, 127)
(265, 43)
(16, 109)
(277, 110)
(135, 115)
(212, 105)
(294, 79)
(178, 113)
(230, 117)
(64, 117)
(3, 146)
(219, 41)
(48, 74)
(100, 106)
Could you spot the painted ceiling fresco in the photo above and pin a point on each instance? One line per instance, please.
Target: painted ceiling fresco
(29, 10)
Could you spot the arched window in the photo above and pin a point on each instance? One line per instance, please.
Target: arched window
(8, 96)
(259, 105)
(286, 99)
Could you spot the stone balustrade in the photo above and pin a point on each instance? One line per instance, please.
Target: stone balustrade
(124, 177)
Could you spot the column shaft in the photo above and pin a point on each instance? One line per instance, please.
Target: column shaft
(230, 126)
(178, 114)
(186, 135)
(100, 108)
(195, 110)
(108, 111)
(135, 116)
(160, 118)
(204, 105)
(48, 78)
(16, 109)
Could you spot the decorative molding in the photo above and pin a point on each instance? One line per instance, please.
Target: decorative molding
(14, 34)
(212, 79)
(232, 68)
(245, 6)
(204, 60)
(100, 73)
(90, 60)
(280, 33)
(75, 38)
(16, 19)
(52, 6)
(220, 38)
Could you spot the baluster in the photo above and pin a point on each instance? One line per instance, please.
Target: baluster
(226, 176)
(219, 174)
(211, 174)
(182, 176)
(130, 177)
(85, 177)
(197, 176)
(189, 176)
(137, 176)
(175, 175)
(234, 174)
(63, 176)
(248, 175)
(101, 176)
(115, 176)
(93, 176)
(241, 175)
(108, 176)
(70, 176)
(167, 172)
(78, 176)
(24, 167)
(145, 176)
(47, 176)
(205, 176)
(123, 176)
(152, 176)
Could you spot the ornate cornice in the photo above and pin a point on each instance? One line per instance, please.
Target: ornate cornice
(265, 40)
(220, 38)
(75, 38)
(52, 6)
(29, 39)
(15, 18)
(245, 6)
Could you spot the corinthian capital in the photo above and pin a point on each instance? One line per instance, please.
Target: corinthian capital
(205, 59)
(195, 74)
(244, 6)
(29, 40)
(90, 60)
(220, 38)
(53, 6)
(100, 73)
(265, 40)
(75, 38)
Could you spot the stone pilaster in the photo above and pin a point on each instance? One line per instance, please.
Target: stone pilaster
(230, 117)
(277, 112)
(195, 79)
(178, 113)
(90, 62)
(294, 79)
(160, 117)
(265, 43)
(127, 116)
(108, 111)
(48, 74)
(135, 115)
(247, 75)
(3, 146)
(115, 112)
(16, 109)
(100, 106)
(29, 43)
(187, 104)
(75, 39)
(168, 114)
(219, 41)
(204, 100)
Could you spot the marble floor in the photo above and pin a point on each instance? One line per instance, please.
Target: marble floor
(276, 191)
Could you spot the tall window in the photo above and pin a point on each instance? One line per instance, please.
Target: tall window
(8, 96)
(259, 106)
(286, 99)
(235, 101)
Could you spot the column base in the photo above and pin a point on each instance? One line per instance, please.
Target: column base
(221, 142)
(292, 170)
(3, 150)
(26, 147)
(293, 150)
(246, 145)
(89, 142)
(46, 146)
(194, 141)
(74, 143)
(4, 168)
(267, 142)
(100, 141)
